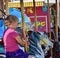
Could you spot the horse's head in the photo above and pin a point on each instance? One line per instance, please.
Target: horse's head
(45, 41)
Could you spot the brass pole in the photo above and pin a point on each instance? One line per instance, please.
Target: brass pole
(56, 21)
(23, 29)
(5, 6)
(49, 21)
(7, 12)
(35, 18)
(49, 25)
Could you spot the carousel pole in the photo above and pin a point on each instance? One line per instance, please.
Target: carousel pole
(49, 25)
(35, 18)
(49, 21)
(1, 8)
(23, 29)
(56, 21)
(5, 6)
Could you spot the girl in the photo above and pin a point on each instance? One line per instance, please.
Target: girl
(11, 40)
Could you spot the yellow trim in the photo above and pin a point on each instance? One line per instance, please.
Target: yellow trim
(26, 4)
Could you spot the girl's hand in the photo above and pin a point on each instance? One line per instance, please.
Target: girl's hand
(27, 41)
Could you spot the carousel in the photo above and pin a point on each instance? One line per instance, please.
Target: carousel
(40, 41)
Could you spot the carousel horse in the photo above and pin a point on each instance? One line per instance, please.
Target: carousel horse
(36, 40)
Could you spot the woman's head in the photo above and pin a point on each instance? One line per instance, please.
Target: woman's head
(11, 21)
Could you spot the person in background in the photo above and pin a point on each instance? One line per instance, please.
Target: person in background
(11, 39)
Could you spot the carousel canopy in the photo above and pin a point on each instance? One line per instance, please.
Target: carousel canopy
(27, 3)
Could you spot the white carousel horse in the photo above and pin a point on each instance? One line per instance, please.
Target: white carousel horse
(36, 39)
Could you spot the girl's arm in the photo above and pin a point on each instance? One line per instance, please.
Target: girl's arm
(21, 42)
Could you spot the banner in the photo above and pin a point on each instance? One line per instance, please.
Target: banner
(41, 17)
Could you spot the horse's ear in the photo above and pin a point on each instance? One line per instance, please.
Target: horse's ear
(30, 32)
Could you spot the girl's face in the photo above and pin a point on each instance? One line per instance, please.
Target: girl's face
(14, 25)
